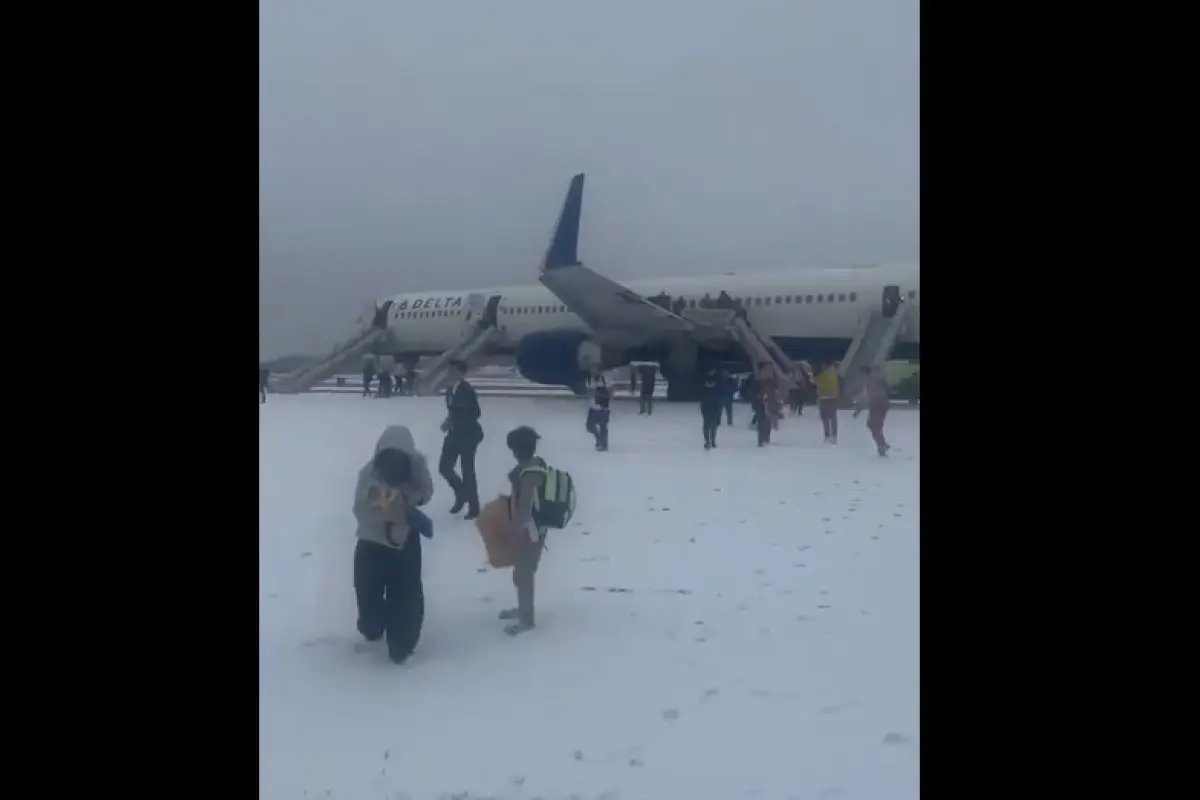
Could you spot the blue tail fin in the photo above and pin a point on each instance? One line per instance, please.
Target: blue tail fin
(564, 245)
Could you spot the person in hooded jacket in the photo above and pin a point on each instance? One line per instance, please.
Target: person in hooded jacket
(387, 559)
(711, 391)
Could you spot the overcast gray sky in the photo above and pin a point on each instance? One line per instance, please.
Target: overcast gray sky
(406, 146)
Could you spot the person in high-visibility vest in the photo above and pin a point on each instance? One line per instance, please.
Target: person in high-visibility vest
(828, 392)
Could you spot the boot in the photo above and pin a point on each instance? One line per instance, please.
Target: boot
(518, 628)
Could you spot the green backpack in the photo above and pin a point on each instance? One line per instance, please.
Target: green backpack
(555, 503)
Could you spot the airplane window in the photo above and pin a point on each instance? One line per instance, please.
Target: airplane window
(820, 298)
(912, 294)
(758, 301)
(808, 298)
(787, 299)
(853, 297)
(841, 298)
(778, 299)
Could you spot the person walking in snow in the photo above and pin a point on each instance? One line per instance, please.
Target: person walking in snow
(463, 435)
(828, 392)
(711, 389)
(874, 398)
(599, 412)
(387, 559)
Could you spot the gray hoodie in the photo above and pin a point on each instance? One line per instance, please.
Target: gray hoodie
(373, 520)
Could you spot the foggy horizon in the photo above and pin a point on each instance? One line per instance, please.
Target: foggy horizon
(418, 147)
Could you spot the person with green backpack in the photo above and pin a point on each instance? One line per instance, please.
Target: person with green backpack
(541, 498)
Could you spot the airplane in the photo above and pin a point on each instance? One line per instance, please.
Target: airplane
(574, 321)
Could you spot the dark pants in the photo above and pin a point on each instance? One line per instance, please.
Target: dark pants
(727, 404)
(262, 395)
(528, 555)
(366, 384)
(710, 421)
(466, 491)
(646, 403)
(829, 416)
(391, 599)
(597, 425)
(876, 415)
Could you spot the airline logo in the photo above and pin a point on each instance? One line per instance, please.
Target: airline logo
(437, 303)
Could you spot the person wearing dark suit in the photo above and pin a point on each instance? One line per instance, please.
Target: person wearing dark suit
(463, 435)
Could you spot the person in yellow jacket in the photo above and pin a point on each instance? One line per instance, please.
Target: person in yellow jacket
(828, 392)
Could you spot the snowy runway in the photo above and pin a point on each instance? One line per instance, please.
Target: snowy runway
(741, 623)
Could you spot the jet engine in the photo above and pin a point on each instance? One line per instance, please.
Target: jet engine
(560, 358)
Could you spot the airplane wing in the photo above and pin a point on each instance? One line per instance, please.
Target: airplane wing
(605, 305)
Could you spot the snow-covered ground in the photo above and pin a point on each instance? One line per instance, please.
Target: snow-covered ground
(741, 623)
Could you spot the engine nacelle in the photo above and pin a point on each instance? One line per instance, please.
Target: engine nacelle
(558, 358)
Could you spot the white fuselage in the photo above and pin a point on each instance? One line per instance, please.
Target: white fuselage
(795, 304)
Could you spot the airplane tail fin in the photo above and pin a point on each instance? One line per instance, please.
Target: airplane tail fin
(564, 244)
